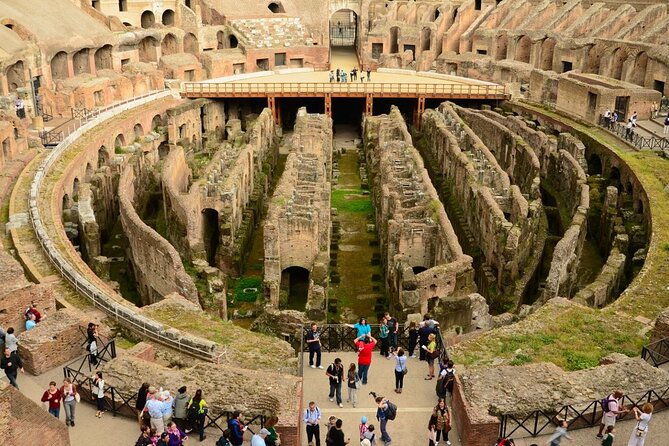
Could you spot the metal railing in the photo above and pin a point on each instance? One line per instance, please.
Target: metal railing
(125, 315)
(631, 137)
(578, 415)
(657, 353)
(347, 88)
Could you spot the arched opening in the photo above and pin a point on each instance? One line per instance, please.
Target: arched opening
(122, 5)
(187, 3)
(190, 44)
(232, 41)
(394, 40)
(638, 207)
(15, 76)
(547, 52)
(425, 39)
(402, 13)
(81, 62)
(344, 29)
(436, 14)
(65, 203)
(119, 141)
(295, 285)
(418, 269)
(501, 47)
(594, 165)
(147, 50)
(168, 17)
(614, 179)
(103, 58)
(103, 156)
(89, 173)
(639, 72)
(75, 189)
(163, 150)
(593, 59)
(210, 234)
(617, 60)
(169, 45)
(276, 7)
(523, 47)
(59, 66)
(156, 122)
(6, 149)
(148, 20)
(629, 188)
(139, 130)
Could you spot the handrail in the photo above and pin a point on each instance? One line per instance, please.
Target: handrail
(638, 141)
(121, 313)
(656, 353)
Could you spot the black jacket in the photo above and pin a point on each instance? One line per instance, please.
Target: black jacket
(12, 364)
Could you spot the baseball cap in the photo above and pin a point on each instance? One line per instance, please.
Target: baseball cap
(363, 420)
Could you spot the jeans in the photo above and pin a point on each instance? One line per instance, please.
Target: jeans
(393, 341)
(399, 379)
(318, 357)
(335, 388)
(444, 433)
(384, 433)
(12, 379)
(385, 343)
(353, 396)
(100, 402)
(55, 412)
(200, 425)
(313, 430)
(69, 410)
(362, 372)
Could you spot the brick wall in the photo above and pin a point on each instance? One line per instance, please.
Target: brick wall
(288, 427)
(14, 302)
(475, 428)
(21, 415)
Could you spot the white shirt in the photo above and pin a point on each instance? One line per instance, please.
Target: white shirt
(400, 363)
(257, 440)
(643, 422)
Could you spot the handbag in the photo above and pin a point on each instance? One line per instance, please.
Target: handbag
(358, 383)
(77, 397)
(405, 371)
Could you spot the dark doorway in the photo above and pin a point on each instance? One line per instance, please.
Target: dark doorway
(295, 283)
(622, 104)
(288, 108)
(658, 86)
(210, 234)
(348, 111)
(344, 28)
(566, 66)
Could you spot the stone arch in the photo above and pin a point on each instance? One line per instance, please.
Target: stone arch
(15, 75)
(103, 157)
(425, 39)
(138, 130)
(169, 45)
(276, 7)
(523, 49)
(402, 13)
(190, 43)
(156, 122)
(394, 40)
(17, 28)
(232, 41)
(163, 150)
(168, 17)
(547, 53)
(59, 66)
(147, 49)
(6, 149)
(210, 234)
(119, 141)
(89, 173)
(593, 59)
(501, 47)
(81, 62)
(103, 58)
(148, 20)
(614, 178)
(638, 75)
(617, 59)
(75, 189)
(295, 282)
(65, 202)
(594, 164)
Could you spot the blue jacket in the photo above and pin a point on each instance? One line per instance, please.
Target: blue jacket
(236, 433)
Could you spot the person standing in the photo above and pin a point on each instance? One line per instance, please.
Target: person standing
(607, 439)
(352, 384)
(336, 374)
(384, 338)
(640, 430)
(611, 407)
(314, 343)
(443, 420)
(362, 328)
(381, 416)
(11, 364)
(145, 437)
(607, 117)
(369, 75)
(180, 409)
(431, 353)
(363, 428)
(393, 329)
(338, 75)
(167, 401)
(423, 333)
(337, 435)
(52, 398)
(413, 339)
(155, 409)
(365, 346)
(665, 130)
(259, 438)
(10, 341)
(176, 435)
(198, 406)
(70, 397)
(400, 369)
(140, 403)
(99, 393)
(20, 108)
(237, 429)
(432, 431)
(273, 438)
(331, 76)
(447, 375)
(559, 434)
(312, 418)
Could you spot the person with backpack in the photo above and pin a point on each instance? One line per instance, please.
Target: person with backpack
(197, 411)
(237, 429)
(611, 406)
(363, 428)
(448, 377)
(312, 419)
(335, 373)
(70, 399)
(559, 434)
(384, 412)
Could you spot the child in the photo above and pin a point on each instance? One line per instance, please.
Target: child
(432, 430)
(371, 435)
(363, 428)
(609, 437)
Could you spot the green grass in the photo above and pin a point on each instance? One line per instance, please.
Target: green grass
(247, 282)
(351, 200)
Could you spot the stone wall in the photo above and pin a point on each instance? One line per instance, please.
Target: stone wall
(476, 427)
(425, 267)
(297, 228)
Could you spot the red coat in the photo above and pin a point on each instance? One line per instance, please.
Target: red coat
(365, 352)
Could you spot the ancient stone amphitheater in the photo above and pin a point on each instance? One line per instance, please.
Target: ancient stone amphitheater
(186, 174)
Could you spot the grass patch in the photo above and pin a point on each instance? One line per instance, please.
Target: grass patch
(243, 289)
(351, 200)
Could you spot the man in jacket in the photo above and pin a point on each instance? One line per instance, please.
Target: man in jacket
(11, 364)
(180, 409)
(236, 429)
(336, 374)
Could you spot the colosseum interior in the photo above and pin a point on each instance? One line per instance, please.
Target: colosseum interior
(205, 178)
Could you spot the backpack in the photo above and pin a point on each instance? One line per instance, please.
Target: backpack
(391, 411)
(193, 410)
(222, 442)
(604, 402)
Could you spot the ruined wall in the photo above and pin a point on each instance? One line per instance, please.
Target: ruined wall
(297, 228)
(425, 267)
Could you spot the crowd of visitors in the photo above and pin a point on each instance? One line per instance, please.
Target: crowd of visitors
(343, 76)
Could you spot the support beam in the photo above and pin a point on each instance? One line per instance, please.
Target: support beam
(369, 104)
(418, 111)
(328, 105)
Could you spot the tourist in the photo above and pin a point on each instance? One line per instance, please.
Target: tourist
(365, 442)
(329, 428)
(331, 76)
(447, 375)
(11, 364)
(614, 119)
(432, 430)
(423, 333)
(365, 346)
(400, 369)
(363, 428)
(369, 75)
(30, 322)
(32, 309)
(180, 409)
(335, 373)
(383, 337)
(259, 438)
(370, 435)
(640, 430)
(634, 118)
(607, 439)
(362, 328)
(20, 108)
(607, 118)
(225, 439)
(140, 403)
(164, 439)
(381, 415)
(314, 343)
(176, 435)
(393, 328)
(52, 398)
(70, 399)
(353, 383)
(312, 418)
(337, 435)
(237, 429)
(338, 75)
(413, 339)
(559, 434)
(443, 420)
(273, 438)
(167, 401)
(431, 352)
(197, 406)
(629, 129)
(611, 406)
(99, 393)
(155, 409)
(665, 130)
(145, 437)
